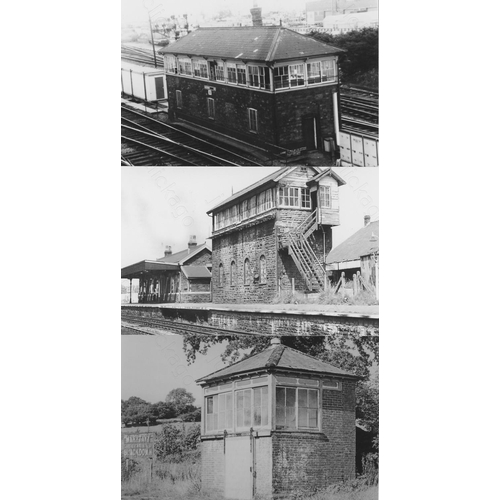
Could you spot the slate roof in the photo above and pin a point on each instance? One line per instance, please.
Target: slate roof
(278, 357)
(196, 272)
(183, 255)
(250, 43)
(357, 245)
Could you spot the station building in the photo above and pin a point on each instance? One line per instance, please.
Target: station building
(274, 236)
(276, 423)
(266, 85)
(183, 276)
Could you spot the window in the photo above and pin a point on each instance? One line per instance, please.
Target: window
(314, 72)
(244, 408)
(324, 197)
(253, 206)
(252, 120)
(211, 108)
(306, 198)
(246, 272)
(231, 73)
(178, 98)
(221, 275)
(265, 201)
(257, 77)
(289, 196)
(297, 408)
(242, 74)
(262, 269)
(200, 69)
(185, 66)
(327, 70)
(219, 72)
(232, 274)
(296, 75)
(219, 410)
(170, 64)
(280, 77)
(260, 406)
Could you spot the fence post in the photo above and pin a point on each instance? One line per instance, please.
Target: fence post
(355, 284)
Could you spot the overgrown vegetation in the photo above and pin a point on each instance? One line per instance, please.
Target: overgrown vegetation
(178, 404)
(359, 64)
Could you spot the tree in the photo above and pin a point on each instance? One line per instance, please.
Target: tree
(136, 411)
(359, 64)
(181, 401)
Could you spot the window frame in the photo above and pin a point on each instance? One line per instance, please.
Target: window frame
(247, 280)
(296, 407)
(211, 108)
(253, 124)
(221, 275)
(262, 270)
(322, 197)
(178, 99)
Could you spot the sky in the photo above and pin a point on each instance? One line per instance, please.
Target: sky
(153, 365)
(136, 11)
(164, 206)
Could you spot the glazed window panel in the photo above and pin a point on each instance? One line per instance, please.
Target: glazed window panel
(257, 76)
(211, 108)
(252, 119)
(289, 196)
(260, 407)
(212, 407)
(327, 70)
(219, 72)
(231, 73)
(244, 408)
(200, 69)
(325, 197)
(225, 417)
(178, 98)
(314, 72)
(171, 64)
(285, 407)
(185, 66)
(241, 71)
(305, 198)
(296, 75)
(280, 76)
(308, 408)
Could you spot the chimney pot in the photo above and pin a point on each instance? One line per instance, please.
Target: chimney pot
(367, 220)
(168, 250)
(275, 341)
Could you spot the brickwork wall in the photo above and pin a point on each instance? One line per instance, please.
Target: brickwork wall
(293, 106)
(201, 259)
(279, 115)
(307, 461)
(231, 108)
(251, 242)
(199, 285)
(212, 466)
(195, 297)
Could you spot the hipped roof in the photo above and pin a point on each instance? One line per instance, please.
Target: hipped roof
(279, 358)
(250, 43)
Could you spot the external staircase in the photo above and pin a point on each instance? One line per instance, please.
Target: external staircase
(305, 259)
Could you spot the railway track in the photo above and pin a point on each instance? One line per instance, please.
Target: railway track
(165, 324)
(359, 111)
(151, 142)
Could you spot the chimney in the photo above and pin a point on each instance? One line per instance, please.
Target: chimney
(192, 242)
(256, 15)
(168, 250)
(367, 220)
(275, 341)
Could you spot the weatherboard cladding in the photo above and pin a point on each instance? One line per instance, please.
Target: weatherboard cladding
(357, 245)
(279, 357)
(250, 43)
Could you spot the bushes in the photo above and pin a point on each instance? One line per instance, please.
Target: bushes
(174, 442)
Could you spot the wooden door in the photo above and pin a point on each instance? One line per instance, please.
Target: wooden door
(160, 89)
(239, 468)
(309, 132)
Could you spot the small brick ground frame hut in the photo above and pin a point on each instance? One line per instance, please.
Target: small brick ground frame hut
(275, 423)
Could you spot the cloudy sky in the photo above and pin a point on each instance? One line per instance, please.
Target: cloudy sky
(164, 206)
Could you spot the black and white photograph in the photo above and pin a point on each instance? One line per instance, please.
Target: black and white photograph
(262, 82)
(250, 326)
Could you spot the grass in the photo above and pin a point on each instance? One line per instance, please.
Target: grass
(182, 481)
(327, 297)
